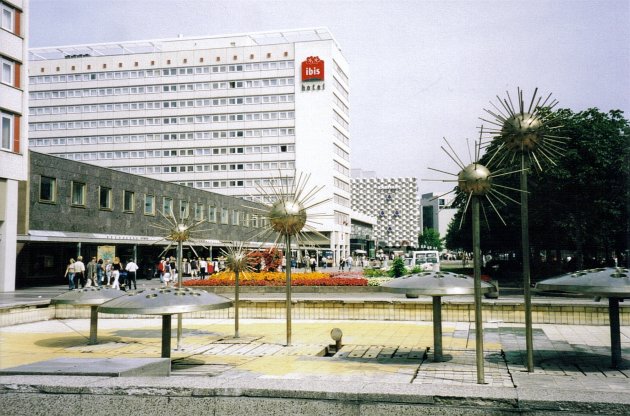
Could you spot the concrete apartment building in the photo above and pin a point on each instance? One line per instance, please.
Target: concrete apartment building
(14, 127)
(394, 203)
(436, 213)
(227, 114)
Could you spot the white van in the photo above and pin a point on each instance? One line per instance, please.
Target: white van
(428, 260)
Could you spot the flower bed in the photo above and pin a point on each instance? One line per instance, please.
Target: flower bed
(352, 275)
(277, 279)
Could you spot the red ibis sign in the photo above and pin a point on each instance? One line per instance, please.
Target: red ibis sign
(313, 69)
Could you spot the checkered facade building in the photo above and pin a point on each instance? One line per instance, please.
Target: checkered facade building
(394, 202)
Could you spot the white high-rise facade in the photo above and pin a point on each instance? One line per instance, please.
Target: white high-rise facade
(13, 128)
(228, 114)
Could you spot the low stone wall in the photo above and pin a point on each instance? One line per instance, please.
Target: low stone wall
(151, 396)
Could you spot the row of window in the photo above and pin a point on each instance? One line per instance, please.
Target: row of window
(341, 200)
(340, 136)
(165, 72)
(341, 104)
(160, 88)
(162, 121)
(342, 121)
(340, 152)
(141, 138)
(222, 184)
(78, 198)
(150, 154)
(156, 105)
(339, 87)
(341, 184)
(340, 72)
(341, 168)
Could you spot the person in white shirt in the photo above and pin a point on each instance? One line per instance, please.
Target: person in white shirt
(131, 268)
(203, 267)
(79, 272)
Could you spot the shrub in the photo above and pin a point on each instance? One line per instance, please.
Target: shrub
(374, 273)
(398, 267)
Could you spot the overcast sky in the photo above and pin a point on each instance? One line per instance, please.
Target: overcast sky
(419, 70)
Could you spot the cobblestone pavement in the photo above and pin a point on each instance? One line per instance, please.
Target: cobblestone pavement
(373, 351)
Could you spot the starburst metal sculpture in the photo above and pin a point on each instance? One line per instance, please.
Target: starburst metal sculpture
(521, 132)
(288, 217)
(477, 182)
(525, 134)
(178, 233)
(237, 261)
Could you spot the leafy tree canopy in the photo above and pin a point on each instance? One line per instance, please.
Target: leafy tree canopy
(430, 238)
(580, 204)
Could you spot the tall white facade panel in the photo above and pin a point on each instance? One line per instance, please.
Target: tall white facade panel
(13, 128)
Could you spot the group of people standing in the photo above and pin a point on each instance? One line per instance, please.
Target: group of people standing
(196, 268)
(101, 273)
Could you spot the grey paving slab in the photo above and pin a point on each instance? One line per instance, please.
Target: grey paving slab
(110, 367)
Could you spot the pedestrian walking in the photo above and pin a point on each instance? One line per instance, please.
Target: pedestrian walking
(70, 274)
(131, 269)
(79, 272)
(116, 268)
(90, 272)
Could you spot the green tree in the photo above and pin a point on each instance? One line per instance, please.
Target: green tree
(398, 267)
(581, 204)
(430, 238)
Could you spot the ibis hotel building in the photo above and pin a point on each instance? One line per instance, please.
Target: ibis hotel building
(229, 114)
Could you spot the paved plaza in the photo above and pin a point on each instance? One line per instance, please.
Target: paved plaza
(384, 366)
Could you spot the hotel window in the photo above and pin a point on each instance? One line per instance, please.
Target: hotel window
(225, 216)
(129, 201)
(236, 217)
(8, 18)
(212, 214)
(199, 212)
(254, 221)
(149, 205)
(8, 71)
(78, 194)
(105, 198)
(7, 131)
(184, 210)
(47, 189)
(167, 207)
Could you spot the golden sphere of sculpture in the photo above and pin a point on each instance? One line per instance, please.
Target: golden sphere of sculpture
(180, 233)
(475, 179)
(522, 132)
(287, 217)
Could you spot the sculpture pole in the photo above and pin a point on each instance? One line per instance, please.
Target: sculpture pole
(527, 294)
(236, 290)
(288, 274)
(477, 285)
(180, 284)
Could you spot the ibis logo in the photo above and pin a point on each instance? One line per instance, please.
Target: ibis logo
(313, 69)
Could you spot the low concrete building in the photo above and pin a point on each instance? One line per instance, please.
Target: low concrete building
(81, 209)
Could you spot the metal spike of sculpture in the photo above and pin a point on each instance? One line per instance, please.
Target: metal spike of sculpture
(287, 217)
(523, 133)
(476, 180)
(179, 232)
(238, 262)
